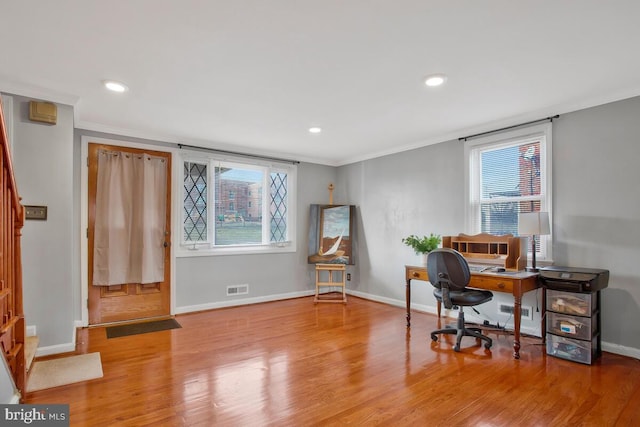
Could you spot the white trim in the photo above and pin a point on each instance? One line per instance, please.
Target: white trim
(621, 350)
(205, 144)
(56, 349)
(487, 127)
(32, 91)
(84, 217)
(544, 131)
(533, 331)
(429, 309)
(61, 348)
(37, 92)
(243, 301)
(186, 249)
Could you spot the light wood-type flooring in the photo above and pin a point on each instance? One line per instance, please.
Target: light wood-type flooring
(293, 363)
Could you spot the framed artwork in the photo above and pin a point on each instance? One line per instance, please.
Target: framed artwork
(332, 234)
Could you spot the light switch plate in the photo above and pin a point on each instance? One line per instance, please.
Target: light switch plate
(36, 212)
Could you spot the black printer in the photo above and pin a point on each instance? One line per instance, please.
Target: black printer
(574, 279)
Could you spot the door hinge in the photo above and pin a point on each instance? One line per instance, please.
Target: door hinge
(87, 232)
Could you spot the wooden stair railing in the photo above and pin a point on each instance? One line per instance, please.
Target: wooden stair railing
(12, 322)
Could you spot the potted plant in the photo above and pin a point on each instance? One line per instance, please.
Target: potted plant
(422, 245)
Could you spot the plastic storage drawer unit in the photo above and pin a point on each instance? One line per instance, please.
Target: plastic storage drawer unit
(574, 350)
(571, 303)
(582, 328)
(573, 314)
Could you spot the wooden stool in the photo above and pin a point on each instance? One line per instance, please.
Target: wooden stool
(330, 269)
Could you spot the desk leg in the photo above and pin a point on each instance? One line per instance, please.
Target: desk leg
(517, 312)
(408, 300)
(543, 320)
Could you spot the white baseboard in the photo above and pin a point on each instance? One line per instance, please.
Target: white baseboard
(608, 347)
(15, 399)
(621, 350)
(242, 301)
(58, 348)
(391, 301)
(55, 349)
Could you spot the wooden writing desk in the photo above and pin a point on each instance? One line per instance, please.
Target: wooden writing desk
(516, 283)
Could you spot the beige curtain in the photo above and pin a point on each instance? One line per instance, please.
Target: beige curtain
(130, 219)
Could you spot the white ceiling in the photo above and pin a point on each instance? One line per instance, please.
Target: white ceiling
(254, 75)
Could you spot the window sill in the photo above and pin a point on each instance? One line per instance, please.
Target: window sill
(187, 251)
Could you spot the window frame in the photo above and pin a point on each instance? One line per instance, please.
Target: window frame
(472, 149)
(208, 248)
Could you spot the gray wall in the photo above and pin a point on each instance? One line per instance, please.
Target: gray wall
(596, 214)
(201, 281)
(596, 222)
(43, 161)
(415, 192)
(597, 207)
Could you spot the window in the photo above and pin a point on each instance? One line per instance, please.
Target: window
(233, 206)
(509, 174)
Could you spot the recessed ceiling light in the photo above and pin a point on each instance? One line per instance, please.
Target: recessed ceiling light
(435, 80)
(115, 86)
(315, 129)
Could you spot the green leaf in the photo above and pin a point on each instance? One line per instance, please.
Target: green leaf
(424, 244)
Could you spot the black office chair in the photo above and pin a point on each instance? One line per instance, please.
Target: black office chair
(449, 273)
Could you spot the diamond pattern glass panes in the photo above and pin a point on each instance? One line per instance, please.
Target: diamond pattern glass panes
(232, 203)
(238, 198)
(195, 202)
(278, 208)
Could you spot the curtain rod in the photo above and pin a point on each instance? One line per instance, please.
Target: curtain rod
(550, 118)
(237, 153)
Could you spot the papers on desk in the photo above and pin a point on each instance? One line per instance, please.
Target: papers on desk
(476, 268)
(484, 268)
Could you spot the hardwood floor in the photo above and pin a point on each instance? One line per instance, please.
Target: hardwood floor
(293, 363)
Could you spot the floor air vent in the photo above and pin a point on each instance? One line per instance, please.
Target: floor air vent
(237, 290)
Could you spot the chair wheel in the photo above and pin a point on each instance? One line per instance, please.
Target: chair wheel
(456, 348)
(487, 346)
(434, 337)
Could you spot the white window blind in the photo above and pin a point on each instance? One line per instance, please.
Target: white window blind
(509, 174)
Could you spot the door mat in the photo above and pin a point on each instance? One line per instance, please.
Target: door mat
(141, 328)
(63, 371)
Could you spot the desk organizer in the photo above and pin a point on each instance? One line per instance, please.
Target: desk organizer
(504, 251)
